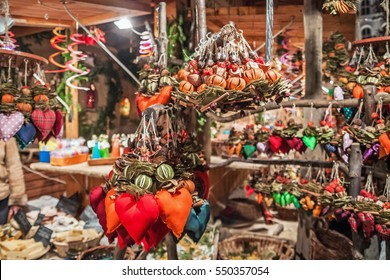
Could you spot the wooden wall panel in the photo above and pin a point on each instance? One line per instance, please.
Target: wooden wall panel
(223, 181)
(252, 21)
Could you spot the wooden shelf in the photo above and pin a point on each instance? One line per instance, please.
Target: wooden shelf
(20, 58)
(375, 40)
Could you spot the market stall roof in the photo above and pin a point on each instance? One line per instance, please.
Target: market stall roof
(45, 14)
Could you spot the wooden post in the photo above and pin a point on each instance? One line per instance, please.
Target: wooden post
(119, 254)
(355, 170)
(162, 33)
(269, 23)
(369, 103)
(312, 18)
(171, 247)
(202, 24)
(201, 33)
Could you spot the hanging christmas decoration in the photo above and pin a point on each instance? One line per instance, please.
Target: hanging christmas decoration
(90, 97)
(124, 107)
(335, 7)
(226, 74)
(57, 42)
(76, 57)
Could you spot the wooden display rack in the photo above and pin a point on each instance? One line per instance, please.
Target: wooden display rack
(20, 58)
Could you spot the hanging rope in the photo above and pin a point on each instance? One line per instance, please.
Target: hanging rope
(385, 5)
(268, 34)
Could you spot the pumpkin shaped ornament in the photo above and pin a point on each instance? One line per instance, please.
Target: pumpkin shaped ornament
(253, 74)
(235, 83)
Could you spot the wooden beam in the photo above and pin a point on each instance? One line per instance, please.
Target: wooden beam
(124, 4)
(41, 22)
(100, 19)
(26, 31)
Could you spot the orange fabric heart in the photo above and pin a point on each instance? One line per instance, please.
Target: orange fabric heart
(112, 218)
(163, 97)
(174, 209)
(385, 142)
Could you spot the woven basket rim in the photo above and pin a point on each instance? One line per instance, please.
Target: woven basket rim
(223, 245)
(110, 247)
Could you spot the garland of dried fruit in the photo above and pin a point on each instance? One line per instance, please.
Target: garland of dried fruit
(335, 7)
(158, 187)
(226, 74)
(28, 113)
(368, 212)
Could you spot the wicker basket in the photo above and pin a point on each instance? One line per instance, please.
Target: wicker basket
(245, 209)
(237, 245)
(331, 245)
(104, 253)
(328, 244)
(287, 214)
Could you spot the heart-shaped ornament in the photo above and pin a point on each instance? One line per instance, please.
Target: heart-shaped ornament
(174, 209)
(137, 216)
(310, 142)
(26, 134)
(10, 125)
(284, 148)
(112, 218)
(275, 142)
(155, 235)
(57, 128)
(197, 221)
(43, 121)
(347, 141)
(262, 147)
(96, 197)
(249, 150)
(124, 239)
(268, 201)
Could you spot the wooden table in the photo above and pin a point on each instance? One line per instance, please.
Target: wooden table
(100, 171)
(81, 177)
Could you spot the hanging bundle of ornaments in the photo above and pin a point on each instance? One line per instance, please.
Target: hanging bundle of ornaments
(29, 112)
(154, 190)
(155, 88)
(335, 7)
(226, 74)
(369, 68)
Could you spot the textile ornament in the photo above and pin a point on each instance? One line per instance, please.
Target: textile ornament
(197, 221)
(249, 150)
(43, 121)
(10, 125)
(26, 134)
(174, 209)
(137, 216)
(155, 235)
(310, 142)
(113, 221)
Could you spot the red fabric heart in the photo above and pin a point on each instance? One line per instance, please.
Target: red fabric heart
(137, 216)
(57, 128)
(174, 209)
(284, 148)
(202, 185)
(124, 239)
(155, 235)
(43, 121)
(96, 198)
(275, 142)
